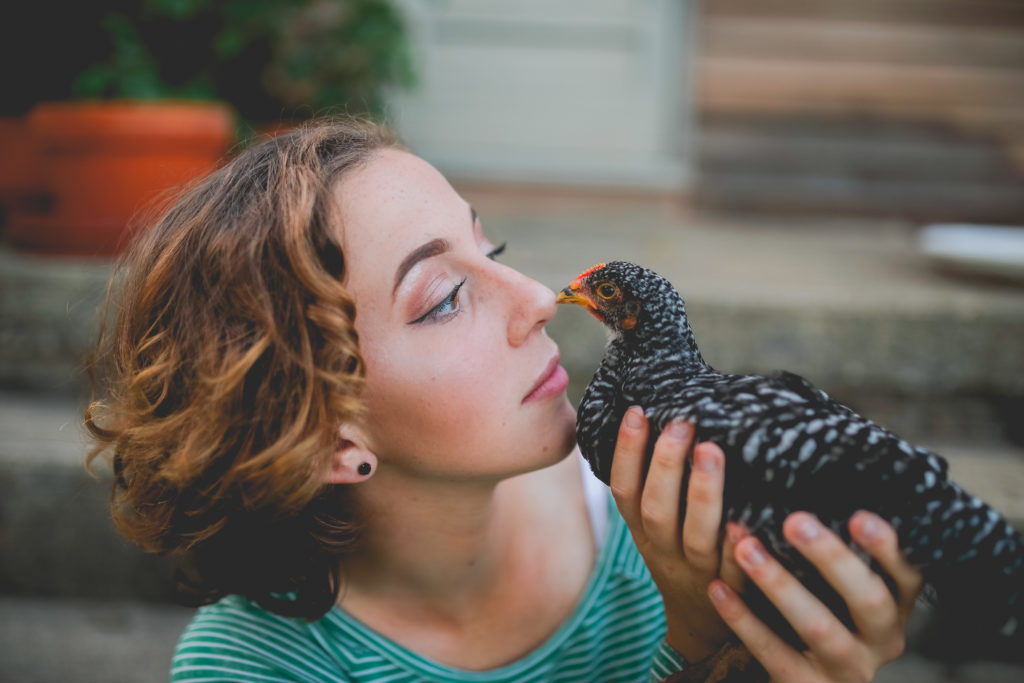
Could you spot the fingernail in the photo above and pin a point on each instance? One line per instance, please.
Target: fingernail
(735, 532)
(808, 529)
(706, 462)
(753, 555)
(634, 417)
(716, 592)
(871, 528)
(679, 429)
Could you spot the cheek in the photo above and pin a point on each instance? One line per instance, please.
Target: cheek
(427, 394)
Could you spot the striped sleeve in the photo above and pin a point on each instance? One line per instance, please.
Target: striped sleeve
(665, 663)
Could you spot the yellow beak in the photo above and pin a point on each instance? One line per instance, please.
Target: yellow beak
(571, 295)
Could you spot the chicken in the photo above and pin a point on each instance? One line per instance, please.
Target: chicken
(789, 446)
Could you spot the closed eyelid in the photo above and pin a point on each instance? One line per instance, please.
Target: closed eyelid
(452, 296)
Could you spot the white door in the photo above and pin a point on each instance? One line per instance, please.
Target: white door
(582, 92)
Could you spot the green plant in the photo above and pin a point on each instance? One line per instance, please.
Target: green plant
(270, 59)
(332, 52)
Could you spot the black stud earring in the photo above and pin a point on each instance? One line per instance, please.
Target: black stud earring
(364, 468)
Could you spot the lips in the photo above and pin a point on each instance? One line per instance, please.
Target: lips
(551, 382)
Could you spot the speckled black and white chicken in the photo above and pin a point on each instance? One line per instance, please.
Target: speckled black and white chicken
(790, 447)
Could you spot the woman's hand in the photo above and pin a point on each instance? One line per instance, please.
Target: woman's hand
(683, 555)
(834, 652)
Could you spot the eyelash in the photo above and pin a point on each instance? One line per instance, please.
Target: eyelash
(437, 314)
(497, 251)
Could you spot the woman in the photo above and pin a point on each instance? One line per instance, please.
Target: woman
(393, 495)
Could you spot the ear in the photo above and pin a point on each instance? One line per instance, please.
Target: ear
(353, 461)
(632, 311)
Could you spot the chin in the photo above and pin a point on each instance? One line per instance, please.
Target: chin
(559, 442)
(568, 430)
(554, 436)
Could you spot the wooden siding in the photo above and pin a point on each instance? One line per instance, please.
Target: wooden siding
(896, 107)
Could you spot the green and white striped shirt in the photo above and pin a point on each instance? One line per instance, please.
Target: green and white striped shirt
(615, 634)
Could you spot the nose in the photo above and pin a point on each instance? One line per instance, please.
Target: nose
(532, 306)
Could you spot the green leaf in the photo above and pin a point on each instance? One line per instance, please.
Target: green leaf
(93, 82)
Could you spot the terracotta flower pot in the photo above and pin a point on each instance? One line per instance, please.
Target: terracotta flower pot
(105, 162)
(20, 175)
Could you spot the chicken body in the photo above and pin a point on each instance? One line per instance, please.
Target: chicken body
(788, 446)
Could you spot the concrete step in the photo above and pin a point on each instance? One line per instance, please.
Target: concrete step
(87, 641)
(49, 313)
(56, 537)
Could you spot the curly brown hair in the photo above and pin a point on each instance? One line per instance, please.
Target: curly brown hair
(229, 367)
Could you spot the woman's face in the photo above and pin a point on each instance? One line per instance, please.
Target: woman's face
(462, 381)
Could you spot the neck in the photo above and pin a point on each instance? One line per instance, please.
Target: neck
(446, 547)
(670, 331)
(472, 576)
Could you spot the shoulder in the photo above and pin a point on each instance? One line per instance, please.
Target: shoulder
(236, 640)
(622, 586)
(623, 562)
(622, 610)
(618, 562)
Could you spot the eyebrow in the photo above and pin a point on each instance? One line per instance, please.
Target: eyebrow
(432, 248)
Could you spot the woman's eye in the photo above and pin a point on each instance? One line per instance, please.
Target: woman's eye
(497, 251)
(448, 307)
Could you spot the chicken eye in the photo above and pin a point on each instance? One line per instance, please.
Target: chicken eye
(606, 290)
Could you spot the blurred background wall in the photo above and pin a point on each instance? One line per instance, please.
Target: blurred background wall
(571, 92)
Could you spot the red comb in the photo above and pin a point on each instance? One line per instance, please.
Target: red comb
(588, 271)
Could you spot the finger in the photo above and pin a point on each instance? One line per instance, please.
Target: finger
(821, 630)
(659, 502)
(879, 539)
(780, 660)
(868, 599)
(730, 571)
(626, 478)
(703, 518)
